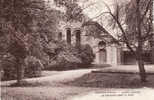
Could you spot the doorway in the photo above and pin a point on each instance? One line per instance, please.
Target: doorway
(102, 56)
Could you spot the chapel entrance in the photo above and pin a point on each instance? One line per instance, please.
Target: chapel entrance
(102, 52)
(102, 56)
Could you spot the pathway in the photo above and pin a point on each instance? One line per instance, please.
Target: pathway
(56, 77)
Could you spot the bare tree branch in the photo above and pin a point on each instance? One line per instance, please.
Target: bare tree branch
(86, 7)
(124, 33)
(100, 28)
(99, 15)
(118, 23)
(147, 8)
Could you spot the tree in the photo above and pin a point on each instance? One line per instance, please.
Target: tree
(143, 31)
(23, 25)
(73, 10)
(13, 24)
(134, 21)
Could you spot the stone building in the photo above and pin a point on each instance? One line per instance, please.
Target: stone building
(105, 51)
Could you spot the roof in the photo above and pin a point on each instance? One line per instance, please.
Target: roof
(107, 37)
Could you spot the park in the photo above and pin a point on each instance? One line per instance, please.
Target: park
(76, 49)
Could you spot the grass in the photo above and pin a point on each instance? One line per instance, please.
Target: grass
(42, 93)
(112, 80)
(48, 89)
(25, 83)
(115, 77)
(44, 88)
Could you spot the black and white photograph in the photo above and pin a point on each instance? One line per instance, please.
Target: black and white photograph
(76, 50)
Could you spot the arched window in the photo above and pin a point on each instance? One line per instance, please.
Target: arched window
(102, 52)
(60, 36)
(68, 35)
(78, 37)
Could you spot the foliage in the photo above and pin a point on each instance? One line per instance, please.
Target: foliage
(27, 23)
(86, 54)
(73, 10)
(16, 19)
(9, 68)
(62, 56)
(69, 57)
(25, 26)
(33, 67)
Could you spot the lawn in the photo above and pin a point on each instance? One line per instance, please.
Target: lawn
(49, 87)
(67, 84)
(116, 77)
(42, 93)
(112, 80)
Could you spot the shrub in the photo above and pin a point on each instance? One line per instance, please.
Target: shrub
(9, 68)
(86, 54)
(32, 69)
(70, 57)
(64, 60)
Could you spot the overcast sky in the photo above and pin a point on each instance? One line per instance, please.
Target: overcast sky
(95, 7)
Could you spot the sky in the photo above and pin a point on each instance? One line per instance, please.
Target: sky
(95, 7)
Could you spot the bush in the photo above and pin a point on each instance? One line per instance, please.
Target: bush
(32, 69)
(70, 57)
(64, 60)
(9, 68)
(86, 54)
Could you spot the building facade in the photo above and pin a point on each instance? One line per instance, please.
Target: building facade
(105, 52)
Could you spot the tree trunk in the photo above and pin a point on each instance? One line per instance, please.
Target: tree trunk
(141, 65)
(142, 70)
(140, 43)
(20, 71)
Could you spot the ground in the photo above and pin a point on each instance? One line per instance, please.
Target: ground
(47, 87)
(118, 94)
(81, 84)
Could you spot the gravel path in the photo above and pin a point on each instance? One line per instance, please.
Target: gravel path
(55, 77)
